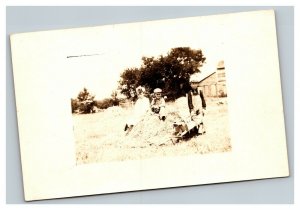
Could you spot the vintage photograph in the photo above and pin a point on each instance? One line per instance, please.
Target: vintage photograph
(168, 103)
(136, 105)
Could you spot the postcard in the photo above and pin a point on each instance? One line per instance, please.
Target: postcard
(149, 105)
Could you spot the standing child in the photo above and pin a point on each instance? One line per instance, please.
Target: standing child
(158, 104)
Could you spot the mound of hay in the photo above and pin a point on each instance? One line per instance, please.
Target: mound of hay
(153, 131)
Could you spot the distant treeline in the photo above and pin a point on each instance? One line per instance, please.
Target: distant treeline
(167, 72)
(85, 102)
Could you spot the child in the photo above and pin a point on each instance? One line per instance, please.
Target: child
(184, 124)
(141, 106)
(197, 106)
(190, 105)
(158, 104)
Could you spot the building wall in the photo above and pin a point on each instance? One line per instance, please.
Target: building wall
(215, 84)
(209, 86)
(221, 80)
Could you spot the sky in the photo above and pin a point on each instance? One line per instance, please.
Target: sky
(94, 57)
(114, 48)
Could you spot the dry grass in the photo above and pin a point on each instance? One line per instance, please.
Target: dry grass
(100, 137)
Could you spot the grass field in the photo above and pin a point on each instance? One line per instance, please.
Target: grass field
(100, 137)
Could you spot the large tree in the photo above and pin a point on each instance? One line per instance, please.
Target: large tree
(165, 72)
(130, 78)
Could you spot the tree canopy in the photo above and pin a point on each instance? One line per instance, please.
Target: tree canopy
(165, 72)
(130, 78)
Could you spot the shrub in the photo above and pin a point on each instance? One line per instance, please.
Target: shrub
(85, 102)
(104, 103)
(107, 102)
(222, 94)
(74, 105)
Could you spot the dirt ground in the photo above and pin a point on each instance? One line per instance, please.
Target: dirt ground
(100, 137)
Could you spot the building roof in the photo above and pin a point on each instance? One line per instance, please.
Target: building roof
(206, 71)
(201, 76)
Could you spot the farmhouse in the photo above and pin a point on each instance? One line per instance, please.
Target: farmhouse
(213, 81)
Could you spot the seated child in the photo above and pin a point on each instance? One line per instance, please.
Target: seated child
(141, 107)
(158, 104)
(197, 105)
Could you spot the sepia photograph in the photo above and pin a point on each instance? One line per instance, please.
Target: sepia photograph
(197, 99)
(171, 105)
(159, 92)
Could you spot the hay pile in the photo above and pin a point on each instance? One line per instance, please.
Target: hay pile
(153, 131)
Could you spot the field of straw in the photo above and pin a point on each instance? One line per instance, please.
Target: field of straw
(100, 137)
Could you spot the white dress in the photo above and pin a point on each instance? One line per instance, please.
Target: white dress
(141, 106)
(183, 108)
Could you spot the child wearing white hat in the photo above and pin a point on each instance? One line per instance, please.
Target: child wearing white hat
(158, 104)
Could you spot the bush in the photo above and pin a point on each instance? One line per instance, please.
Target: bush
(74, 105)
(84, 103)
(222, 94)
(107, 102)
(104, 104)
(87, 107)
